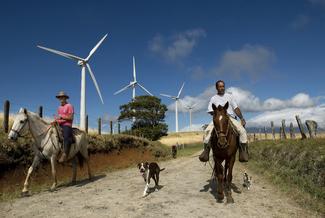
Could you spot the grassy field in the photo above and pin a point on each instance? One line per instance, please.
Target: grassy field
(296, 167)
(182, 138)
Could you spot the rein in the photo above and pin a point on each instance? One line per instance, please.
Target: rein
(18, 131)
(218, 133)
(40, 148)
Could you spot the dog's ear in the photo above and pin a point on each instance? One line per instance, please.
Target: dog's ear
(147, 164)
(139, 165)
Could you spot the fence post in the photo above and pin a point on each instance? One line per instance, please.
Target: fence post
(312, 127)
(284, 129)
(280, 132)
(301, 128)
(40, 111)
(86, 124)
(111, 126)
(265, 133)
(273, 131)
(6, 109)
(118, 127)
(99, 126)
(292, 131)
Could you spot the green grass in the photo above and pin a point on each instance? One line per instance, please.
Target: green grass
(189, 149)
(296, 167)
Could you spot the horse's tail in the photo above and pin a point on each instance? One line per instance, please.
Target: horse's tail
(80, 159)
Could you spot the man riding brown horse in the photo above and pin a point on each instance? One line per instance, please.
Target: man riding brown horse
(221, 98)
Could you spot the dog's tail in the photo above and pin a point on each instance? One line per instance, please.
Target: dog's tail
(162, 169)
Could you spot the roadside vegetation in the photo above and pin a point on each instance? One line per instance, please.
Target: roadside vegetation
(296, 167)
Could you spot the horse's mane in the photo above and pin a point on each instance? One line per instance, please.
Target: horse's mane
(34, 115)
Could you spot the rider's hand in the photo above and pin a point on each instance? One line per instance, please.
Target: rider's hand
(53, 122)
(243, 122)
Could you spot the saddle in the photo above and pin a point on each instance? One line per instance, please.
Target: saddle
(59, 131)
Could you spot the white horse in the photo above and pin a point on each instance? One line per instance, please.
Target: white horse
(47, 144)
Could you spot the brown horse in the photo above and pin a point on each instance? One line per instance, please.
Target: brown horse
(224, 143)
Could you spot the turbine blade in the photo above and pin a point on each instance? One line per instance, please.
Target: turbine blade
(134, 72)
(144, 89)
(193, 106)
(180, 91)
(95, 48)
(95, 82)
(168, 96)
(123, 89)
(70, 56)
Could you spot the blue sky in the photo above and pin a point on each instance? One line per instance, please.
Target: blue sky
(270, 52)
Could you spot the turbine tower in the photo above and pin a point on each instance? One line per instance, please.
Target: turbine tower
(176, 98)
(83, 63)
(133, 84)
(190, 108)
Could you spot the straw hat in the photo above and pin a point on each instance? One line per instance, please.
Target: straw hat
(62, 94)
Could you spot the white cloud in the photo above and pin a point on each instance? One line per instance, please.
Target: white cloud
(248, 102)
(316, 113)
(177, 47)
(271, 109)
(300, 22)
(251, 60)
(195, 127)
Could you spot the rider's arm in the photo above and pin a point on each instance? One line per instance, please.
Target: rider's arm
(67, 117)
(240, 116)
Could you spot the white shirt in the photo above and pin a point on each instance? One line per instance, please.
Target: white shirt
(222, 100)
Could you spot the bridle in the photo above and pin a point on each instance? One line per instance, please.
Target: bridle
(25, 121)
(222, 134)
(17, 131)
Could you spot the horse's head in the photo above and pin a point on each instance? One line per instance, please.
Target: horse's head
(20, 125)
(221, 123)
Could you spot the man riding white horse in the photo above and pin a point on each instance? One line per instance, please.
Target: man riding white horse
(221, 98)
(65, 119)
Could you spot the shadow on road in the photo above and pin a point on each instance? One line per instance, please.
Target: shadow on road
(82, 182)
(212, 186)
(153, 189)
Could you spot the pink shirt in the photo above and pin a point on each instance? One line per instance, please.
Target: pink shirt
(64, 111)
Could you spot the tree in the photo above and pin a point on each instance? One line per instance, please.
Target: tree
(149, 114)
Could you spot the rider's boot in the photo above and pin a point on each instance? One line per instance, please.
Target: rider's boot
(63, 158)
(204, 157)
(243, 152)
(65, 153)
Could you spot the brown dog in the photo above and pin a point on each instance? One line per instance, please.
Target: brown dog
(148, 171)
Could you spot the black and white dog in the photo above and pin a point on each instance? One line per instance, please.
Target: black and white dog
(148, 171)
(247, 181)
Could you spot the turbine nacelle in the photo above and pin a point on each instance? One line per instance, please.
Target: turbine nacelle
(81, 63)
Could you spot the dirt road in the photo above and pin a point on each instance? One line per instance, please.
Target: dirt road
(185, 192)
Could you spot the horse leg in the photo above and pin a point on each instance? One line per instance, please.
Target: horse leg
(225, 179)
(53, 166)
(229, 179)
(30, 170)
(226, 170)
(219, 174)
(74, 171)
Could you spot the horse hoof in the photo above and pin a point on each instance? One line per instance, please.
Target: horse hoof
(73, 183)
(220, 201)
(25, 194)
(230, 201)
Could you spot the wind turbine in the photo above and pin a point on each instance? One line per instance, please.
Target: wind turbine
(133, 84)
(176, 98)
(83, 62)
(190, 108)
